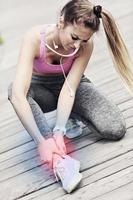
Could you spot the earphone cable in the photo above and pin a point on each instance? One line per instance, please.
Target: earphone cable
(70, 89)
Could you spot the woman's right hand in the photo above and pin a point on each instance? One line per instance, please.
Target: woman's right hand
(46, 149)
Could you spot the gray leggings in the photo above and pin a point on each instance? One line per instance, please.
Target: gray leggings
(93, 107)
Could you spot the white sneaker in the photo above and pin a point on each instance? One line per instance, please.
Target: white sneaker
(67, 170)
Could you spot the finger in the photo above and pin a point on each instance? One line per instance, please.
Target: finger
(43, 158)
(62, 151)
(61, 148)
(50, 163)
(46, 162)
(49, 158)
(65, 150)
(59, 152)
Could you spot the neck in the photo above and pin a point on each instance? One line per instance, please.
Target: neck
(55, 37)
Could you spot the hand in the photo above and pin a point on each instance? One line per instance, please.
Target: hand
(46, 150)
(59, 139)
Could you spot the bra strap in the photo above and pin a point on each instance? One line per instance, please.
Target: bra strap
(42, 43)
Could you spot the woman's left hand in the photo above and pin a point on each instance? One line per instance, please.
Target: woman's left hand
(59, 139)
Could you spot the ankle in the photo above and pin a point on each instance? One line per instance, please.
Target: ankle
(56, 158)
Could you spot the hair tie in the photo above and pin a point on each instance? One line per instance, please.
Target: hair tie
(97, 11)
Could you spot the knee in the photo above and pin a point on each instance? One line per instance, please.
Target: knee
(114, 132)
(117, 134)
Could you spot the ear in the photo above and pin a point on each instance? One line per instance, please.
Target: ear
(61, 23)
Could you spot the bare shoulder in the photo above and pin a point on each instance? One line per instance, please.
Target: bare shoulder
(32, 38)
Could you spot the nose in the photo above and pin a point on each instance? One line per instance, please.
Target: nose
(77, 44)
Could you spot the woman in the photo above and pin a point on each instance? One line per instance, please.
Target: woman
(50, 75)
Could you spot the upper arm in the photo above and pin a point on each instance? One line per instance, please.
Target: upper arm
(24, 69)
(79, 66)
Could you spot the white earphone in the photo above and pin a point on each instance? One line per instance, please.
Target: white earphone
(63, 55)
(55, 45)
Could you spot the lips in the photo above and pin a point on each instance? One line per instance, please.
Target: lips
(68, 47)
(71, 47)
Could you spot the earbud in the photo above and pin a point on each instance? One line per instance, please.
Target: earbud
(60, 54)
(55, 45)
(77, 44)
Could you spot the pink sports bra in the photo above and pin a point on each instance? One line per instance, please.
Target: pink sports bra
(40, 64)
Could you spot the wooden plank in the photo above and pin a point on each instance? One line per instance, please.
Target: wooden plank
(94, 167)
(92, 178)
(28, 149)
(20, 135)
(95, 189)
(16, 128)
(20, 166)
(100, 52)
(124, 192)
(108, 86)
(129, 122)
(20, 138)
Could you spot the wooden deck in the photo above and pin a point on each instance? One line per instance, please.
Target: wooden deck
(107, 166)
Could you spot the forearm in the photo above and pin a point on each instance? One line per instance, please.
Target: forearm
(25, 115)
(64, 107)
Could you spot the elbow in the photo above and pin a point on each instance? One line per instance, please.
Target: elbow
(14, 97)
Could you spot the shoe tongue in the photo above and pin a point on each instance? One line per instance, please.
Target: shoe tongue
(61, 162)
(66, 162)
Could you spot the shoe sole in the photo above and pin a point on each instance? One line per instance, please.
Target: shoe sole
(74, 183)
(78, 165)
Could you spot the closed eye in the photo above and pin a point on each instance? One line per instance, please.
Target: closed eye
(74, 38)
(85, 41)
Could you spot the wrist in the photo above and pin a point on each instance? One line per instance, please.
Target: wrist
(59, 130)
(41, 141)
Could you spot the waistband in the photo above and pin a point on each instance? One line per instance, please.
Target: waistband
(55, 79)
(48, 77)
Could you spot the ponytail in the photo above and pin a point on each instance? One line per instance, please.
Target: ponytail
(89, 15)
(118, 50)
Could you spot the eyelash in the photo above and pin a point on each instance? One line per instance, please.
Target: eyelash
(74, 38)
(85, 41)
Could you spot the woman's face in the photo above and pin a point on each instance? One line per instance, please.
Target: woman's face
(74, 35)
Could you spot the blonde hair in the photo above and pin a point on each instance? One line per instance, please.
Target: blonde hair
(118, 50)
(83, 11)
